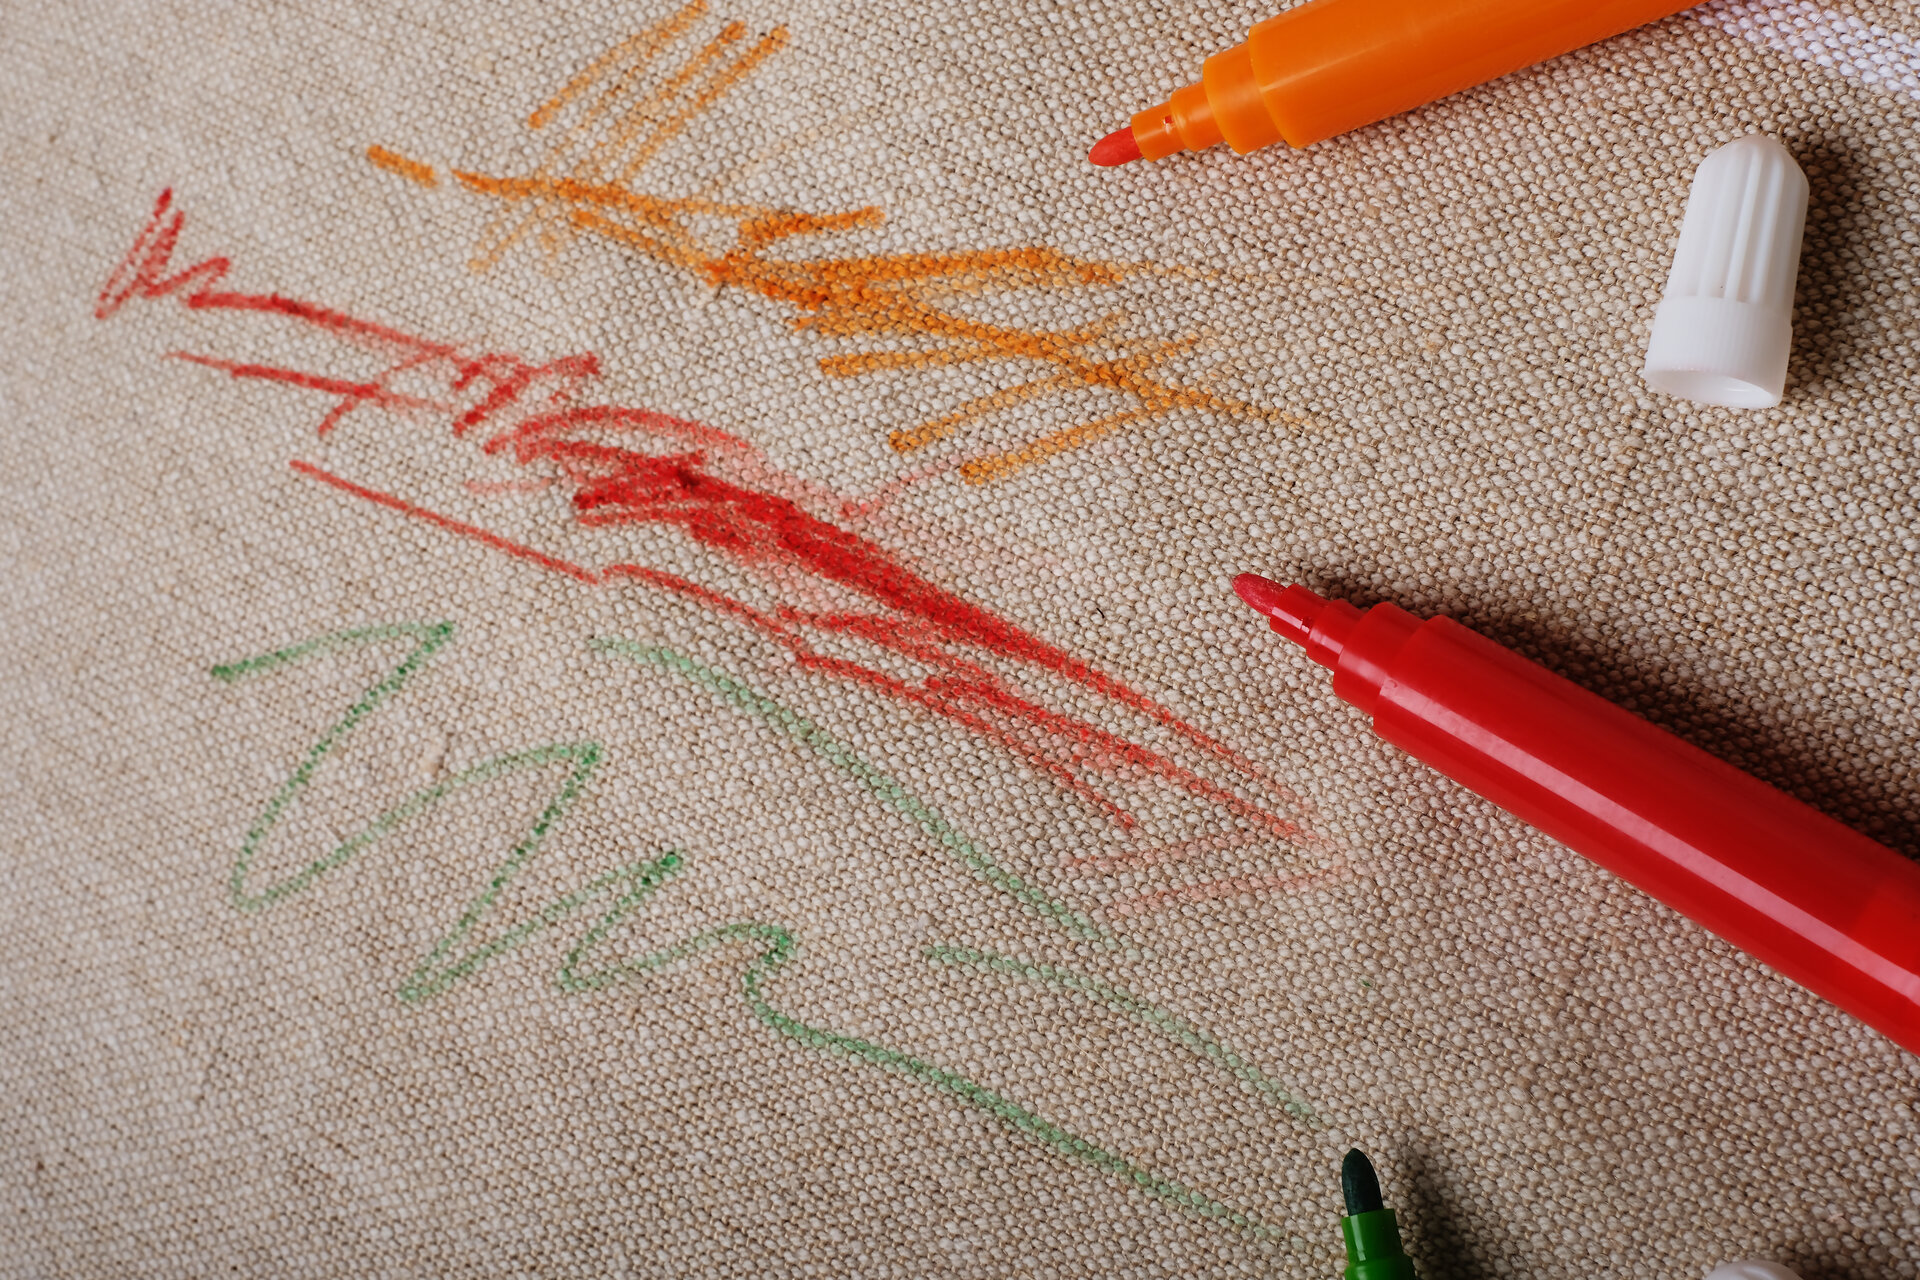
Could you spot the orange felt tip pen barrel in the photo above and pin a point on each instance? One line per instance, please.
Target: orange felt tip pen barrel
(1328, 66)
(1822, 904)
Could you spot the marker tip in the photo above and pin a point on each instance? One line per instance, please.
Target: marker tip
(1289, 610)
(1117, 148)
(1262, 593)
(1359, 1184)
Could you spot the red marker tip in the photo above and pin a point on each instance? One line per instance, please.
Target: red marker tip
(1117, 148)
(1289, 610)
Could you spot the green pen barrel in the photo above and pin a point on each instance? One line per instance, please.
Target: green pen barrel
(1373, 1247)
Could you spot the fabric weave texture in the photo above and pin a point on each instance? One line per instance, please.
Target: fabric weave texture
(619, 657)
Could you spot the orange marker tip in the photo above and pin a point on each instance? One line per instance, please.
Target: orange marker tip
(1117, 148)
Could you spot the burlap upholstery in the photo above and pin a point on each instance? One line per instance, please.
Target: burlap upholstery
(939, 873)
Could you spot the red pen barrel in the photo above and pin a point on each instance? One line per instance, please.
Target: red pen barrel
(1822, 904)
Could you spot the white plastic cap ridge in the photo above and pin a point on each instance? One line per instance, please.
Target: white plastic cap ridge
(1751, 1269)
(1725, 325)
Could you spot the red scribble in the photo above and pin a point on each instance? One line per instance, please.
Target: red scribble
(717, 489)
(451, 525)
(496, 488)
(1231, 887)
(963, 696)
(622, 486)
(1133, 859)
(143, 274)
(354, 392)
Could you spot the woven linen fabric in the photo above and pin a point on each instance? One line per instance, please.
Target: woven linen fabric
(619, 657)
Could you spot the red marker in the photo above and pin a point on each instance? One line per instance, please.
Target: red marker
(1827, 907)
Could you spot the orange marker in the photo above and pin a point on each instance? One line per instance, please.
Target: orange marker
(1328, 66)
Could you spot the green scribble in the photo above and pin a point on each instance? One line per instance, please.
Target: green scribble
(775, 946)
(452, 959)
(779, 945)
(427, 638)
(884, 788)
(437, 971)
(1152, 1016)
(434, 974)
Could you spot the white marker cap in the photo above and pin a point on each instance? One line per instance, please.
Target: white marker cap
(1724, 327)
(1751, 1268)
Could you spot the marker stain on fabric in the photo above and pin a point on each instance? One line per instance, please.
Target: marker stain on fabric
(626, 466)
(480, 935)
(612, 120)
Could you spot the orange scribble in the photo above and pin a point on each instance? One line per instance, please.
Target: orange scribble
(620, 114)
(627, 124)
(411, 170)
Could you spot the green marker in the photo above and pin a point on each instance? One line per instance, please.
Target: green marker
(1373, 1234)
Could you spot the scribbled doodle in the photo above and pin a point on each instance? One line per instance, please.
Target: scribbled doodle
(838, 603)
(532, 465)
(619, 894)
(616, 116)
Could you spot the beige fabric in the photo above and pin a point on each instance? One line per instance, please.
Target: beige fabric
(936, 1009)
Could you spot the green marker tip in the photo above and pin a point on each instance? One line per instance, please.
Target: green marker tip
(1372, 1232)
(1359, 1184)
